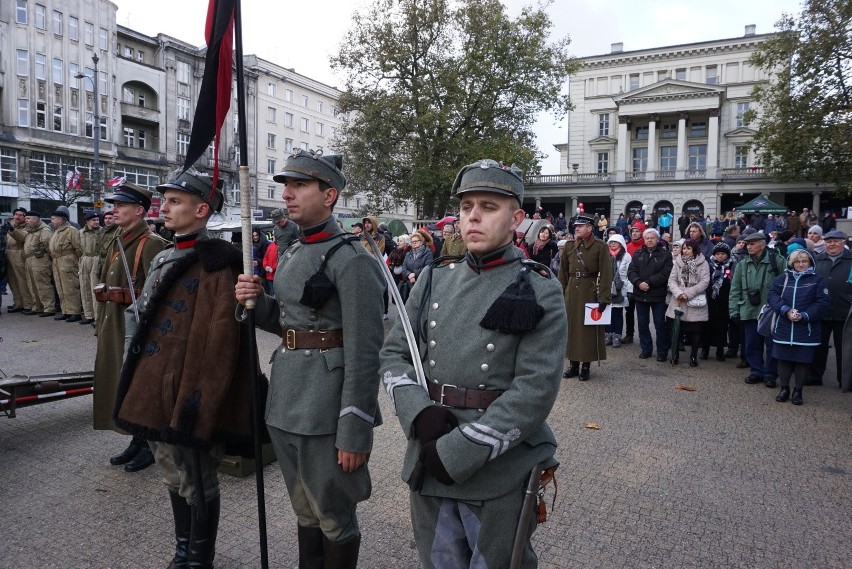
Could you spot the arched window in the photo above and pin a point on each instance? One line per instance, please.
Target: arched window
(693, 206)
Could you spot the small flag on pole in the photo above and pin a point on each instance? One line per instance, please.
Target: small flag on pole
(74, 179)
(115, 182)
(214, 98)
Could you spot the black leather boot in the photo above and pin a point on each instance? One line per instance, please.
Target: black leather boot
(143, 459)
(797, 397)
(127, 455)
(341, 555)
(202, 539)
(720, 355)
(783, 395)
(705, 352)
(572, 371)
(183, 525)
(584, 372)
(310, 548)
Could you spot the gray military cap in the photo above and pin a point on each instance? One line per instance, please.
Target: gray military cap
(490, 176)
(312, 165)
(198, 184)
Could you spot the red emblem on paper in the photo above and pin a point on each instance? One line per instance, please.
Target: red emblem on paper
(596, 314)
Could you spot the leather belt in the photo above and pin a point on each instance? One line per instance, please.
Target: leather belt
(304, 340)
(117, 294)
(582, 275)
(61, 254)
(462, 397)
(90, 254)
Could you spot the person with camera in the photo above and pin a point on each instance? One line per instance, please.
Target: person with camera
(753, 278)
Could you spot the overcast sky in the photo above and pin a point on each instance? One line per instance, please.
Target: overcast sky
(304, 34)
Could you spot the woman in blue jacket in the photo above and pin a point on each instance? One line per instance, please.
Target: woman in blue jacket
(799, 299)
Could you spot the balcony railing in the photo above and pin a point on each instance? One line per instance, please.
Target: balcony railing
(664, 174)
(602, 177)
(740, 173)
(695, 174)
(634, 176)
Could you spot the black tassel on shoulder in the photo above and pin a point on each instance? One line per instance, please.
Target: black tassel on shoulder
(516, 310)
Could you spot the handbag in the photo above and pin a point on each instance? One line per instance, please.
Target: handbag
(698, 301)
(766, 317)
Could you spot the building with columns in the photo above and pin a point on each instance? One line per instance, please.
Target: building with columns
(664, 129)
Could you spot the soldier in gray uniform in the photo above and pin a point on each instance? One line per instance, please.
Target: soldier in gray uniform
(322, 405)
(493, 376)
(285, 231)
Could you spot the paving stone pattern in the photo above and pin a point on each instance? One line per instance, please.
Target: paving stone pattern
(720, 477)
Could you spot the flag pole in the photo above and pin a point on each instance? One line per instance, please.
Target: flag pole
(248, 270)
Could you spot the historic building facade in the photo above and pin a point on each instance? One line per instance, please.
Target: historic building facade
(147, 89)
(664, 129)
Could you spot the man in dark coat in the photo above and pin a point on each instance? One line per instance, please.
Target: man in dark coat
(285, 231)
(186, 384)
(131, 203)
(323, 393)
(649, 273)
(585, 272)
(835, 267)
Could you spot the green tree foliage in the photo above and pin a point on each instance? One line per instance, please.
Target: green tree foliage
(432, 85)
(804, 128)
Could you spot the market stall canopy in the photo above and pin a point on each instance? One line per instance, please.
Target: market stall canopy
(763, 205)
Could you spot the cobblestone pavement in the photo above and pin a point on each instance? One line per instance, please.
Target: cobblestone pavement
(719, 477)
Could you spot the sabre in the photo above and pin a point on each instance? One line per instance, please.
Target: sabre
(130, 281)
(416, 480)
(530, 494)
(406, 324)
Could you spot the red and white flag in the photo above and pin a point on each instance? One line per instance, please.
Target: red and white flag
(115, 182)
(74, 179)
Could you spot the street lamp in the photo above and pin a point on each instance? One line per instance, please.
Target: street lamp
(96, 131)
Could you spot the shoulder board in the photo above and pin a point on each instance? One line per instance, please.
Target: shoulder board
(537, 267)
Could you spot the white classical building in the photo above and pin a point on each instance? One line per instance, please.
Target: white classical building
(664, 128)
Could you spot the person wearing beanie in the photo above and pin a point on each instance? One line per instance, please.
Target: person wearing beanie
(35, 235)
(622, 288)
(716, 329)
(492, 375)
(815, 237)
(22, 299)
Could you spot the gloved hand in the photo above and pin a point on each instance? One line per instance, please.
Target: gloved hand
(434, 422)
(602, 306)
(430, 459)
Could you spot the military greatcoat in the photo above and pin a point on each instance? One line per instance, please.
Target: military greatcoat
(37, 263)
(17, 272)
(110, 319)
(89, 275)
(65, 251)
(585, 272)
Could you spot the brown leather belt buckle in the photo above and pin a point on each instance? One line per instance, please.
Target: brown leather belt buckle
(290, 339)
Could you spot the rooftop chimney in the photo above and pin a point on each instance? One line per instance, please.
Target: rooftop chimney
(617, 47)
(750, 30)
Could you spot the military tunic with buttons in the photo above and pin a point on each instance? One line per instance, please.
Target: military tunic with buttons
(110, 317)
(490, 454)
(585, 272)
(37, 264)
(333, 393)
(65, 251)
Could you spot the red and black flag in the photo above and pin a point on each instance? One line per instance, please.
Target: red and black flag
(214, 98)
